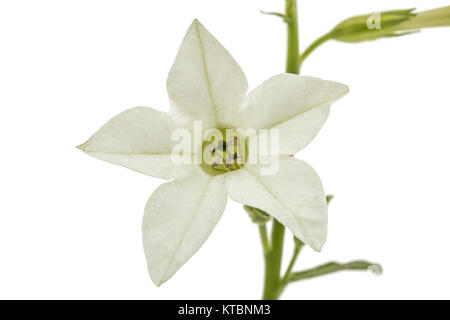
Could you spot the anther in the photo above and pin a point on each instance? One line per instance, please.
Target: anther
(222, 145)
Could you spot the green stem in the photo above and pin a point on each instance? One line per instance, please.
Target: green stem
(264, 238)
(273, 263)
(311, 48)
(272, 284)
(287, 274)
(293, 49)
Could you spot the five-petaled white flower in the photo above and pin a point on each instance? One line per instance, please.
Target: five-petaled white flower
(205, 83)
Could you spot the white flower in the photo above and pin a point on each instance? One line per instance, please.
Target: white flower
(205, 83)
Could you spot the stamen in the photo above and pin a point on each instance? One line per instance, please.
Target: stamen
(224, 155)
(218, 160)
(211, 147)
(222, 145)
(230, 159)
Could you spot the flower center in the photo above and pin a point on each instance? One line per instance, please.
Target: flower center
(224, 151)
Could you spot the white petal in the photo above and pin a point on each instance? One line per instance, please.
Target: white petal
(178, 219)
(205, 82)
(296, 105)
(139, 139)
(294, 196)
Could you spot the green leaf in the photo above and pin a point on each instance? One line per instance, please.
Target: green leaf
(333, 267)
(277, 14)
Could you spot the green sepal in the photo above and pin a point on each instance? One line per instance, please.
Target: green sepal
(257, 216)
(439, 17)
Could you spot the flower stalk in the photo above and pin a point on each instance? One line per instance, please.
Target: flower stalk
(273, 259)
(293, 48)
(273, 283)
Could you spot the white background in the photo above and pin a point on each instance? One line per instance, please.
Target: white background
(70, 225)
